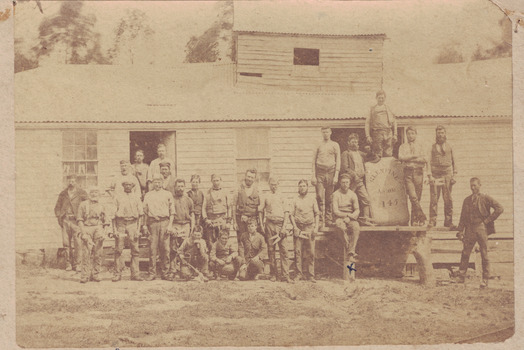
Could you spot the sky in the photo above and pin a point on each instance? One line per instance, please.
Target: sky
(417, 31)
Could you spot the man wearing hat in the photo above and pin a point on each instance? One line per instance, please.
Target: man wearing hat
(159, 212)
(215, 210)
(413, 157)
(154, 167)
(116, 185)
(66, 209)
(92, 218)
(127, 221)
(168, 181)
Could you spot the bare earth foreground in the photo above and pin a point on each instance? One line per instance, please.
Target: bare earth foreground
(54, 310)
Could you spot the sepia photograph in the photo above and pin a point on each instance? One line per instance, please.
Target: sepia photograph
(263, 173)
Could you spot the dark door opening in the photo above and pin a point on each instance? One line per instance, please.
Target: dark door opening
(340, 135)
(148, 141)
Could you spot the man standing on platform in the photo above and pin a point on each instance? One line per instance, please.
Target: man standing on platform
(246, 203)
(304, 216)
(326, 167)
(116, 185)
(127, 221)
(198, 198)
(183, 223)
(441, 176)
(154, 167)
(215, 211)
(92, 218)
(346, 210)
(476, 224)
(66, 209)
(159, 212)
(381, 128)
(140, 171)
(352, 164)
(413, 156)
(274, 216)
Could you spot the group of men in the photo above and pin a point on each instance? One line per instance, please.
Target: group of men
(190, 230)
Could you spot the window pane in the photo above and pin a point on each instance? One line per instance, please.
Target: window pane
(306, 57)
(80, 138)
(92, 168)
(80, 153)
(91, 152)
(68, 138)
(81, 181)
(69, 153)
(91, 137)
(68, 168)
(80, 168)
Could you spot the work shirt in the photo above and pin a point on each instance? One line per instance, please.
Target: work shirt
(140, 172)
(274, 206)
(118, 188)
(380, 118)
(183, 209)
(304, 209)
(327, 155)
(92, 213)
(168, 184)
(190, 248)
(412, 149)
(154, 167)
(198, 199)
(215, 202)
(347, 202)
(128, 206)
(222, 252)
(159, 204)
(251, 245)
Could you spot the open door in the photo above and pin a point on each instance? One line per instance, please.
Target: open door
(148, 142)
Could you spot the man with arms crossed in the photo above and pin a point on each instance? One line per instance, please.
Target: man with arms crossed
(326, 167)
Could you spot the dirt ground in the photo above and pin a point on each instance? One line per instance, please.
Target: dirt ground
(55, 310)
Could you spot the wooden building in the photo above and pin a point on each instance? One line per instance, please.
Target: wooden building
(264, 111)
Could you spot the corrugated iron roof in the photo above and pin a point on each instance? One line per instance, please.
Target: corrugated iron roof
(205, 92)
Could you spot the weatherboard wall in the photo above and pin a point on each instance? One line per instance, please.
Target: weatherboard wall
(348, 64)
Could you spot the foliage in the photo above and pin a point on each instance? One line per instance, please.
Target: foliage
(449, 54)
(72, 31)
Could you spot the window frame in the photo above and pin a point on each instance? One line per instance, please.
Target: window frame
(80, 154)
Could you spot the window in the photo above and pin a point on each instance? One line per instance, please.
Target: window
(79, 156)
(306, 57)
(253, 152)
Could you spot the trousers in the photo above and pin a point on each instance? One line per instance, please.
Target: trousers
(129, 228)
(349, 233)
(382, 142)
(273, 228)
(446, 195)
(413, 180)
(72, 242)
(475, 233)
(157, 230)
(305, 252)
(93, 240)
(324, 190)
(250, 269)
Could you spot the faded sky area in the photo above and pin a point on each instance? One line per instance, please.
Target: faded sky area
(418, 32)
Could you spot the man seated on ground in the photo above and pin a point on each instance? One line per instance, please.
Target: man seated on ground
(346, 210)
(252, 244)
(193, 256)
(224, 257)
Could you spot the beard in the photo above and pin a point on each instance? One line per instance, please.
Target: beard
(303, 193)
(353, 148)
(441, 139)
(179, 193)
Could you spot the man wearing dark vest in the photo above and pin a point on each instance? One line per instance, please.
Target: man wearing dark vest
(476, 224)
(66, 209)
(198, 198)
(246, 203)
(441, 174)
(215, 211)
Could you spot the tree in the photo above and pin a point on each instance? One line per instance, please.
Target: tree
(217, 42)
(449, 54)
(131, 31)
(71, 31)
(23, 62)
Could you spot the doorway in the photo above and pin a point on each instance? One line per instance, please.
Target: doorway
(148, 142)
(340, 136)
